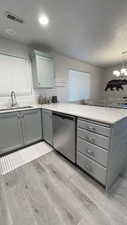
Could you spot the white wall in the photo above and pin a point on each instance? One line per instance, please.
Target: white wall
(62, 66)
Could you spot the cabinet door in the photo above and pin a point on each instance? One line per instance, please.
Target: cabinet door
(10, 132)
(31, 124)
(47, 126)
(45, 71)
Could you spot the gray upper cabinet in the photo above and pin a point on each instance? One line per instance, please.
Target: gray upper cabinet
(10, 132)
(31, 125)
(43, 70)
(47, 126)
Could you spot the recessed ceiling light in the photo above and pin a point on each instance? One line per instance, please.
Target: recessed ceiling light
(43, 20)
(10, 31)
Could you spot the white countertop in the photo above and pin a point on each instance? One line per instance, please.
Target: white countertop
(100, 114)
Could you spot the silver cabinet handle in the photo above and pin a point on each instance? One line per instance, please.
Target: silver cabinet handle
(88, 167)
(18, 115)
(91, 128)
(87, 127)
(91, 140)
(90, 152)
(21, 115)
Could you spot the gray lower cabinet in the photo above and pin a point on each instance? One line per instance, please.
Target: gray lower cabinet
(92, 151)
(102, 149)
(47, 126)
(10, 132)
(93, 145)
(18, 129)
(92, 167)
(31, 125)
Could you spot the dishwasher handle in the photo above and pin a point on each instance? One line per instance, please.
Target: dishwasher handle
(64, 116)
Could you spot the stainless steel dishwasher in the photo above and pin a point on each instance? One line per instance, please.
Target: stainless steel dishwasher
(64, 135)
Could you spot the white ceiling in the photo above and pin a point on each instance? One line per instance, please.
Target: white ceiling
(90, 30)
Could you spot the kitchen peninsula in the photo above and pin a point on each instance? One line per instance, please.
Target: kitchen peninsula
(101, 139)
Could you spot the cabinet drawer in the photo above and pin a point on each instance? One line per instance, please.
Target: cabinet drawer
(98, 154)
(93, 138)
(96, 128)
(91, 167)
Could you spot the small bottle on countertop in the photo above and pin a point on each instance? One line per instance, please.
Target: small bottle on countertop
(40, 99)
(45, 100)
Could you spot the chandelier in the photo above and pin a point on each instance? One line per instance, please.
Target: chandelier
(123, 71)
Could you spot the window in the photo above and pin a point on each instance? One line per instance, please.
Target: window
(14, 75)
(79, 85)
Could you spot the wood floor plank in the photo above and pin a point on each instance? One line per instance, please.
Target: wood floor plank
(61, 163)
(43, 209)
(90, 209)
(5, 215)
(107, 203)
(18, 204)
(64, 207)
(52, 191)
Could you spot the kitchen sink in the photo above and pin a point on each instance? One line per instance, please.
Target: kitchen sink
(18, 107)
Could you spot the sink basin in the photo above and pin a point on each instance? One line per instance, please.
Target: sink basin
(18, 107)
(22, 107)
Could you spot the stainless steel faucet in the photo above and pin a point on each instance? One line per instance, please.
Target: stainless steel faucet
(13, 99)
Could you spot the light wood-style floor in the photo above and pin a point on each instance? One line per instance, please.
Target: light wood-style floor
(51, 191)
